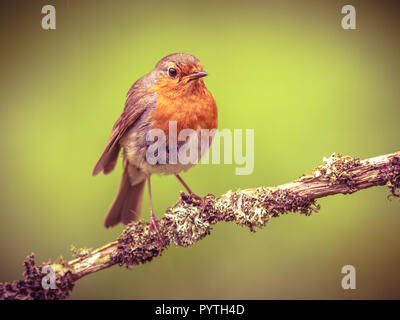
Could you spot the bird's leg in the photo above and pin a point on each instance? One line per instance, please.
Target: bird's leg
(191, 193)
(185, 185)
(153, 220)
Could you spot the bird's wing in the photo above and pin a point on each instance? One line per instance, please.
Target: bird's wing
(135, 105)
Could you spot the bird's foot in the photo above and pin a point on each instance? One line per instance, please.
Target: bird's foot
(201, 200)
(154, 224)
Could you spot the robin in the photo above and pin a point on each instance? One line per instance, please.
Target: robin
(173, 91)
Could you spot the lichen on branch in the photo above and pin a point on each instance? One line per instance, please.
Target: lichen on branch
(190, 220)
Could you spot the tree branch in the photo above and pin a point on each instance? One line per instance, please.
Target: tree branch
(188, 221)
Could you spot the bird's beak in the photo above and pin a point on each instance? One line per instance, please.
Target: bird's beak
(196, 75)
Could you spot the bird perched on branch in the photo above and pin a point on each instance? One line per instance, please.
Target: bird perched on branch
(173, 92)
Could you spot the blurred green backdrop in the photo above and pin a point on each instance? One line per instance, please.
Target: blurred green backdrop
(284, 68)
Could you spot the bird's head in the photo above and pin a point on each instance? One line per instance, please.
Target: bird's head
(179, 73)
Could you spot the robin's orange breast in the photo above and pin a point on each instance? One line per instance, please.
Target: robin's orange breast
(194, 108)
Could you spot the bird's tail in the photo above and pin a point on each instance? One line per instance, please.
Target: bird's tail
(127, 203)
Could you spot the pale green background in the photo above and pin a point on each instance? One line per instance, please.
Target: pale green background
(283, 68)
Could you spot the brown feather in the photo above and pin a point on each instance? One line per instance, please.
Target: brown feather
(127, 203)
(138, 99)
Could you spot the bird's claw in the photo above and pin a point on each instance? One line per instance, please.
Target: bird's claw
(154, 225)
(202, 200)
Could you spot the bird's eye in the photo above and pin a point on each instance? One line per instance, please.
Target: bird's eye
(172, 72)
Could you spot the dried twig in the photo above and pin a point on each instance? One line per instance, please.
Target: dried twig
(188, 222)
